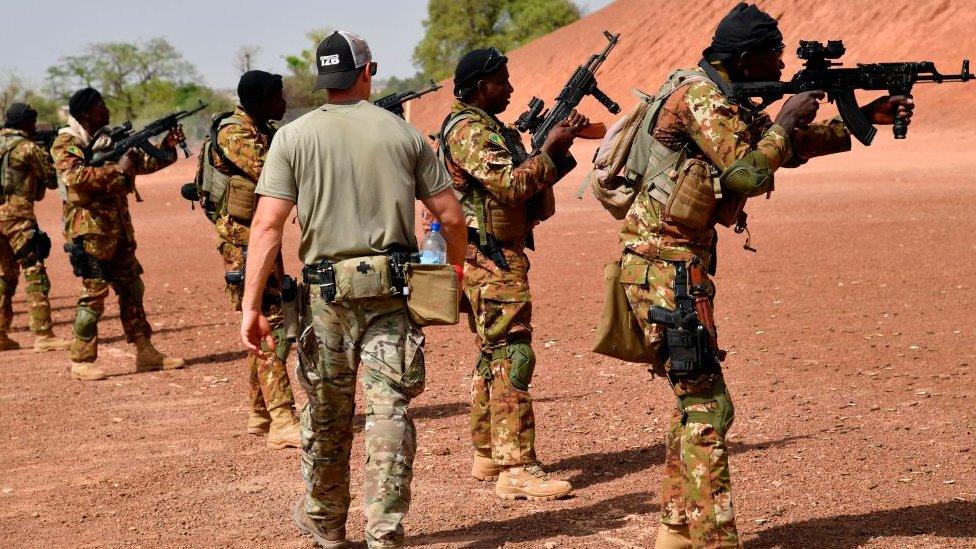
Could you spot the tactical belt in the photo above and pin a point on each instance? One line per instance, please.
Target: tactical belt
(322, 274)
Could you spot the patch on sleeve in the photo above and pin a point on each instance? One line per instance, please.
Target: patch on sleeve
(496, 139)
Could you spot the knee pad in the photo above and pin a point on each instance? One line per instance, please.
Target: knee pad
(522, 364)
(86, 324)
(720, 418)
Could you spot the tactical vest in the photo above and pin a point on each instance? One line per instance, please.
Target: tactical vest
(688, 189)
(212, 183)
(10, 179)
(509, 224)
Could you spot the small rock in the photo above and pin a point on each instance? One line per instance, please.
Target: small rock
(116, 420)
(7, 490)
(550, 545)
(441, 451)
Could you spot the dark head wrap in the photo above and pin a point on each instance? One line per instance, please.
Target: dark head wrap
(255, 86)
(82, 100)
(474, 66)
(745, 28)
(17, 113)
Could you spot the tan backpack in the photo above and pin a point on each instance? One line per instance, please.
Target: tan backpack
(627, 151)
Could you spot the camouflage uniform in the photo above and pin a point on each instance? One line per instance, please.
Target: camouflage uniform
(96, 212)
(28, 174)
(245, 144)
(696, 492)
(490, 166)
(377, 333)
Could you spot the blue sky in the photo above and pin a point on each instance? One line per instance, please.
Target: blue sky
(34, 35)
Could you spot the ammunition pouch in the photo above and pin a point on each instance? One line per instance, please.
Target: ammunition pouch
(36, 249)
(241, 200)
(84, 265)
(509, 224)
(433, 294)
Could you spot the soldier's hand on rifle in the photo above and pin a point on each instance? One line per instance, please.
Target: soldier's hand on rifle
(128, 163)
(561, 137)
(799, 110)
(882, 110)
(174, 137)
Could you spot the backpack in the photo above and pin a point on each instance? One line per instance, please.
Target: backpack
(628, 155)
(8, 178)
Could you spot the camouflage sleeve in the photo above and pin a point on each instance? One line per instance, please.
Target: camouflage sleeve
(240, 144)
(482, 154)
(720, 132)
(31, 159)
(73, 170)
(822, 138)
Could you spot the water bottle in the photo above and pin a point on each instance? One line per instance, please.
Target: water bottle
(434, 250)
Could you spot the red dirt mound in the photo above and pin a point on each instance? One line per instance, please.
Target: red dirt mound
(659, 36)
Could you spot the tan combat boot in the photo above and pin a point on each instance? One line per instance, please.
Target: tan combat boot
(672, 537)
(484, 468)
(149, 359)
(86, 371)
(327, 540)
(258, 422)
(530, 482)
(7, 344)
(47, 341)
(284, 431)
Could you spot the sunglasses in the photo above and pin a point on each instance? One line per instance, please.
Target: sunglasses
(372, 68)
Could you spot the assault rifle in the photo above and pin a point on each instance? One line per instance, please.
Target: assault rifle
(394, 102)
(124, 139)
(581, 83)
(839, 84)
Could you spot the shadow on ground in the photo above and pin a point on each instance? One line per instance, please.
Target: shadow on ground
(951, 519)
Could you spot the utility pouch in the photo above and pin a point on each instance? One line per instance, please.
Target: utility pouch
(364, 278)
(433, 294)
(542, 206)
(694, 199)
(289, 307)
(241, 200)
(618, 334)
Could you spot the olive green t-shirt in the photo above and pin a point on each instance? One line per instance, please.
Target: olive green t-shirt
(354, 171)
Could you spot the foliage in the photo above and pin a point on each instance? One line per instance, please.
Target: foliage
(125, 73)
(454, 27)
(14, 90)
(302, 73)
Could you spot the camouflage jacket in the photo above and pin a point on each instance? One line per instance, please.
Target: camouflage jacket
(29, 173)
(484, 151)
(717, 132)
(97, 200)
(245, 144)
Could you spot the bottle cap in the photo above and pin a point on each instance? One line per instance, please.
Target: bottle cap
(435, 226)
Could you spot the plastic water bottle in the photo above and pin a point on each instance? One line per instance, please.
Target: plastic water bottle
(434, 250)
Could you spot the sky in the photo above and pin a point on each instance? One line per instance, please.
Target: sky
(209, 32)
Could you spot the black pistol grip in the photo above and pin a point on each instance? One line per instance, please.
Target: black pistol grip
(603, 98)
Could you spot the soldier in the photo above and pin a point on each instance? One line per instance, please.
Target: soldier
(707, 143)
(242, 142)
(355, 171)
(502, 190)
(97, 222)
(25, 175)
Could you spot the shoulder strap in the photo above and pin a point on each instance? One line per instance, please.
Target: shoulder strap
(474, 188)
(9, 144)
(223, 119)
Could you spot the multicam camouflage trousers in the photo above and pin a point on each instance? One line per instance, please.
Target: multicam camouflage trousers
(696, 492)
(268, 381)
(120, 270)
(14, 235)
(377, 334)
(502, 420)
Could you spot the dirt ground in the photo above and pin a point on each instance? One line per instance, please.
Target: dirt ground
(852, 364)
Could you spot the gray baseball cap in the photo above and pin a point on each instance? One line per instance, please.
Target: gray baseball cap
(339, 59)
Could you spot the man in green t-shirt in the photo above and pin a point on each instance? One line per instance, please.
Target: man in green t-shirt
(354, 171)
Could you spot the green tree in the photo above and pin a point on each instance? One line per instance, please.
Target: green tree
(13, 90)
(454, 27)
(122, 72)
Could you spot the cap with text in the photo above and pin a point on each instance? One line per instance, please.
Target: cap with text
(339, 58)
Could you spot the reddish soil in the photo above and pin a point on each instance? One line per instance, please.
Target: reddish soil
(852, 364)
